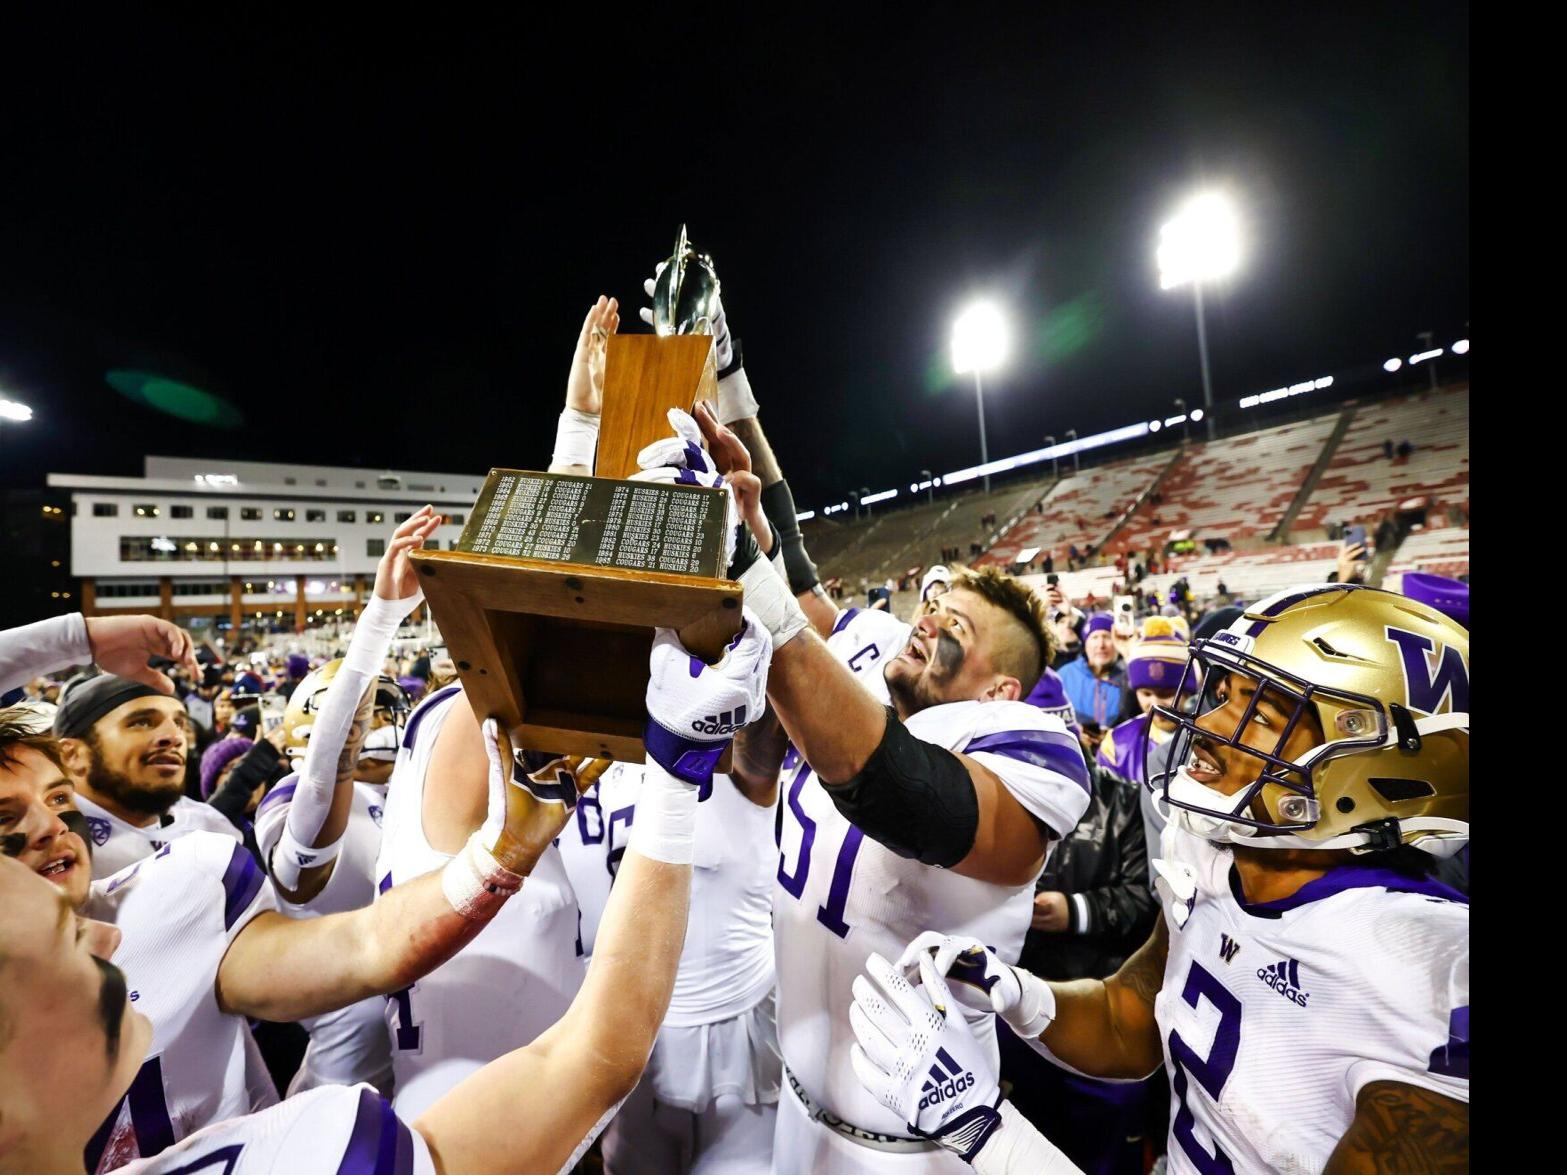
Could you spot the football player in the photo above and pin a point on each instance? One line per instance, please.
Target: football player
(319, 829)
(67, 1011)
(125, 744)
(919, 784)
(1307, 988)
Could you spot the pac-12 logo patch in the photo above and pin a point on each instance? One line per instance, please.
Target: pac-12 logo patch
(99, 827)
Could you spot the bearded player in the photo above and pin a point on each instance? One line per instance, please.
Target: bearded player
(920, 785)
(1307, 989)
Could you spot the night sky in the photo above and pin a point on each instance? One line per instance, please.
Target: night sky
(378, 241)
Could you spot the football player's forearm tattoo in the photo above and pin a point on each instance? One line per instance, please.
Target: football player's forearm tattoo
(758, 752)
(1403, 1129)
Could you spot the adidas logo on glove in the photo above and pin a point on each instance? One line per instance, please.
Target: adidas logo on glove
(726, 723)
(941, 1086)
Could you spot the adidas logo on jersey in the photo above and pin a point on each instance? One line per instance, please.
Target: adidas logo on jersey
(726, 723)
(1284, 978)
(942, 1085)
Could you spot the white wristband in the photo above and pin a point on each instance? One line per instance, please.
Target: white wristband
(576, 438)
(735, 401)
(475, 883)
(1016, 1147)
(290, 858)
(665, 827)
(1035, 1011)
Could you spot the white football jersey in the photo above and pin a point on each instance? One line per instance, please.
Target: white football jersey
(116, 844)
(583, 855)
(350, 1045)
(328, 1131)
(177, 912)
(726, 966)
(841, 896)
(514, 980)
(1274, 1016)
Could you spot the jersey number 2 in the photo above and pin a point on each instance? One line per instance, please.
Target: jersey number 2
(831, 914)
(1210, 1073)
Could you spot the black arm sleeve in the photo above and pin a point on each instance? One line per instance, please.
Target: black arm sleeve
(258, 765)
(913, 797)
(778, 505)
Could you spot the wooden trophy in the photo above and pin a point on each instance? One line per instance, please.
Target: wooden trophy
(549, 599)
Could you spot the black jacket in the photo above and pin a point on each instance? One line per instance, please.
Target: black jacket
(1103, 869)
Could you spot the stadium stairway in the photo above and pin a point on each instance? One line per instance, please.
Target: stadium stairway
(1281, 532)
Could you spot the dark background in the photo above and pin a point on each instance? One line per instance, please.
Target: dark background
(377, 239)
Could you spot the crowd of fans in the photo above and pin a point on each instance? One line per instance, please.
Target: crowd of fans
(330, 881)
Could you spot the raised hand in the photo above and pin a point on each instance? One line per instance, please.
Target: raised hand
(695, 709)
(528, 808)
(122, 645)
(395, 577)
(585, 383)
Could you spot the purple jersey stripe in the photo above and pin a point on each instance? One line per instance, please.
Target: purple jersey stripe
(1288, 601)
(1041, 748)
(1452, 1059)
(420, 714)
(281, 794)
(843, 621)
(379, 1143)
(1344, 878)
(241, 883)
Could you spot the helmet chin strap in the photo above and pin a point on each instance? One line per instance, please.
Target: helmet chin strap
(1447, 838)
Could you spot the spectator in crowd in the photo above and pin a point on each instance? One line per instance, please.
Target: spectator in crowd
(1153, 672)
(1405, 449)
(1094, 682)
(1387, 448)
(1352, 563)
(1049, 565)
(298, 666)
(935, 584)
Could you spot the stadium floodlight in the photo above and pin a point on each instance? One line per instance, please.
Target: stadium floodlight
(1200, 243)
(1155, 425)
(1461, 347)
(1392, 365)
(980, 343)
(15, 410)
(806, 516)
(1197, 415)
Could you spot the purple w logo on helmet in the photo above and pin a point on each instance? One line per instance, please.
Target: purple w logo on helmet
(1431, 680)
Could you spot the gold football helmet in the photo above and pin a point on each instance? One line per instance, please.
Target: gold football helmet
(1386, 680)
(390, 712)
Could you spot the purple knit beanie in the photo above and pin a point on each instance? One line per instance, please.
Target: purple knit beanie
(218, 756)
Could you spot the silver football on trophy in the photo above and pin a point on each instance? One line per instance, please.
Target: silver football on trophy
(685, 297)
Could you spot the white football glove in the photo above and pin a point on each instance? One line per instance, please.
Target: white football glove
(921, 1062)
(723, 346)
(983, 983)
(694, 709)
(681, 460)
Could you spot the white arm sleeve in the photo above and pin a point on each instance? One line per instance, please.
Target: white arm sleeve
(35, 649)
(329, 733)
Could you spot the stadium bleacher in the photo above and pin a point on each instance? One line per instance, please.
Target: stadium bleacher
(1361, 483)
(1238, 489)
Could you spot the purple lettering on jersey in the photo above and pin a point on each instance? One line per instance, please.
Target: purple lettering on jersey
(831, 915)
(794, 883)
(281, 794)
(379, 1143)
(419, 715)
(385, 884)
(149, 1115)
(1049, 749)
(1428, 688)
(1452, 1059)
(241, 883)
(1211, 1071)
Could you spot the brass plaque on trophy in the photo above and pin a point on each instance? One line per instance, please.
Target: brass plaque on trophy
(549, 599)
